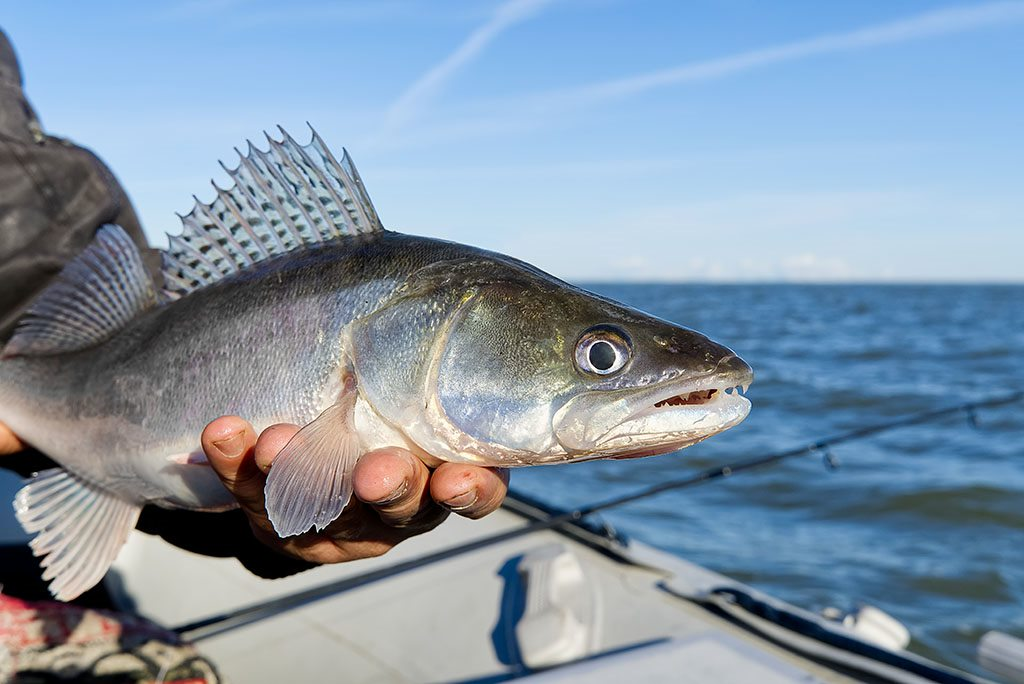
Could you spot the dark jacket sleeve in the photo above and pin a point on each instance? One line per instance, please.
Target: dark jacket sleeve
(54, 196)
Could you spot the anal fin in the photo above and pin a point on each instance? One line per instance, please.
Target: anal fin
(78, 528)
(310, 481)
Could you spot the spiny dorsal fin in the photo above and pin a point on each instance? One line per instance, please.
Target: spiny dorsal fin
(96, 294)
(285, 198)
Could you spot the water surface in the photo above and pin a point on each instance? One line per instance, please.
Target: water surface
(926, 522)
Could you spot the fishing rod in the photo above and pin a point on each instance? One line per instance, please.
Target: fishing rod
(218, 624)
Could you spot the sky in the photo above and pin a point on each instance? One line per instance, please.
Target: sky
(602, 140)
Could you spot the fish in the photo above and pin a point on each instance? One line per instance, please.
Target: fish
(285, 300)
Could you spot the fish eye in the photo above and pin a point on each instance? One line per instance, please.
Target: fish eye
(602, 350)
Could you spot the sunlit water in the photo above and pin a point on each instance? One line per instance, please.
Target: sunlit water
(926, 522)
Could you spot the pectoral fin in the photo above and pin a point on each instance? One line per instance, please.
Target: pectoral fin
(97, 294)
(78, 528)
(310, 482)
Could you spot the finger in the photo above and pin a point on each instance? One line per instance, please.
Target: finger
(9, 443)
(470, 491)
(395, 483)
(228, 443)
(271, 442)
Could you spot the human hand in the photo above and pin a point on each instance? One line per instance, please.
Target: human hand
(9, 442)
(395, 495)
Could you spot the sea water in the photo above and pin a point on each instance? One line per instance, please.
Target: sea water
(925, 522)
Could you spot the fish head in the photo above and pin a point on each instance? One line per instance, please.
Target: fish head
(532, 370)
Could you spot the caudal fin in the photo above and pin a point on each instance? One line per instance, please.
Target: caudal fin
(78, 529)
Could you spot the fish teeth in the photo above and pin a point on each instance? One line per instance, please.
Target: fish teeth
(746, 386)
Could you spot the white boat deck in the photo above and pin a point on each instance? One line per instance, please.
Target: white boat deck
(548, 606)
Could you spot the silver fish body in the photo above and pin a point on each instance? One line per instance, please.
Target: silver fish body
(376, 338)
(266, 344)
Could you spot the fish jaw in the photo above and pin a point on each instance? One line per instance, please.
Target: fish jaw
(666, 416)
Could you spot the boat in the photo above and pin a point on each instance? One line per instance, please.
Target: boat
(524, 593)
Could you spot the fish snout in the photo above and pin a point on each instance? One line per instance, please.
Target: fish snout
(733, 367)
(699, 355)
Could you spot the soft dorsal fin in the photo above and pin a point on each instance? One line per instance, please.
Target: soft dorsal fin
(96, 294)
(283, 199)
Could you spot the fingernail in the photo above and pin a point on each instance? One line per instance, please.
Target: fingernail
(231, 447)
(462, 501)
(396, 494)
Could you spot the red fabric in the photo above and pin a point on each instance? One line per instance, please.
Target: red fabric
(52, 637)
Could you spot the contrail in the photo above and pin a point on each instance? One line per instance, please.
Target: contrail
(940, 22)
(412, 100)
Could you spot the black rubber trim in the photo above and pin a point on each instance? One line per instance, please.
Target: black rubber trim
(815, 630)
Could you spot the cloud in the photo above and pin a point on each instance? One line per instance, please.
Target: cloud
(820, 236)
(811, 267)
(409, 103)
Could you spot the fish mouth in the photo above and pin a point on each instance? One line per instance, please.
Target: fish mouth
(695, 397)
(657, 419)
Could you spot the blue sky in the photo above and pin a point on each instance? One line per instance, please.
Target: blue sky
(642, 140)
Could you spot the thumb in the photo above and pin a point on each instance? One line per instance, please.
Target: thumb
(229, 445)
